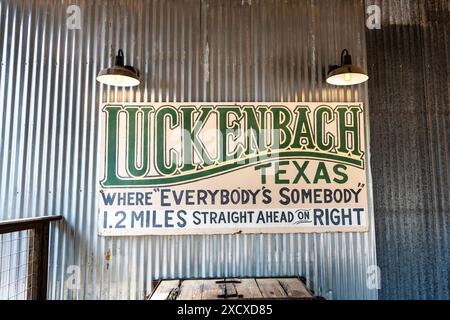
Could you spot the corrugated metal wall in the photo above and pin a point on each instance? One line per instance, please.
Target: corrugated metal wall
(186, 51)
(409, 61)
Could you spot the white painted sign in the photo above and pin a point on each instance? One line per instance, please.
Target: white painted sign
(206, 168)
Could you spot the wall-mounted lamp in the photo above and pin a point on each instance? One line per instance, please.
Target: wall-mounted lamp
(346, 74)
(119, 74)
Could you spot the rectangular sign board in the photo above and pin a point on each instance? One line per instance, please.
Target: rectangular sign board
(244, 167)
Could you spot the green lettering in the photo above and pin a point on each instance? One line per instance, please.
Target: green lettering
(352, 128)
(324, 115)
(112, 118)
(132, 115)
(160, 118)
(303, 130)
(190, 134)
(282, 134)
(228, 131)
(322, 173)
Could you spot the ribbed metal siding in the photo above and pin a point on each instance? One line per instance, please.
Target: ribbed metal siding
(186, 51)
(409, 60)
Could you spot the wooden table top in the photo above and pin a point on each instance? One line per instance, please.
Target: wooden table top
(231, 288)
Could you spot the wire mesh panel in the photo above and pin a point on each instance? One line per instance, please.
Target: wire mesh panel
(16, 269)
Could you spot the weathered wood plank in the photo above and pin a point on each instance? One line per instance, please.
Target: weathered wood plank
(248, 289)
(295, 288)
(277, 288)
(191, 290)
(211, 290)
(231, 290)
(164, 288)
(271, 288)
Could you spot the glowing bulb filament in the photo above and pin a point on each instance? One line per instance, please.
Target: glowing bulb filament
(347, 76)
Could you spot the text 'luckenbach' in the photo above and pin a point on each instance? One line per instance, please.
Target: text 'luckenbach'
(169, 146)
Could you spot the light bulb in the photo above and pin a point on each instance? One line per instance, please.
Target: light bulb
(347, 76)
